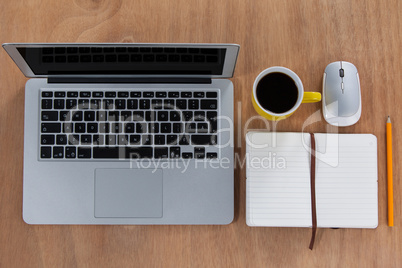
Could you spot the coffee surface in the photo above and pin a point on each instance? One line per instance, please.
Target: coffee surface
(277, 92)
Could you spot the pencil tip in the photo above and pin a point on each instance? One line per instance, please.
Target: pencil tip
(389, 119)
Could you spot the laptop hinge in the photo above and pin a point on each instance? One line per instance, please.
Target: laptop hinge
(130, 80)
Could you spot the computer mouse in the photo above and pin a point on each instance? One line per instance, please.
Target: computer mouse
(341, 102)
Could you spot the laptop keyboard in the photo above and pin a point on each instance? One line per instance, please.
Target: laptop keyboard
(122, 124)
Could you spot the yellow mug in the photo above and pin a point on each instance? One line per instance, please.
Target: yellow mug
(278, 92)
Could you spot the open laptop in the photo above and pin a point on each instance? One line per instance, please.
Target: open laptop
(127, 133)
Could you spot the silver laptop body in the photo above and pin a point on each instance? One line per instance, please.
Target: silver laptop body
(105, 142)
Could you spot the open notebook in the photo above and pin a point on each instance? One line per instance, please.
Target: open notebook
(278, 180)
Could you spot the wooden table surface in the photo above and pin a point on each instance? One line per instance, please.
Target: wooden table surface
(304, 36)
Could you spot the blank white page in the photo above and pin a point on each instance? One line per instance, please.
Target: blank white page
(278, 180)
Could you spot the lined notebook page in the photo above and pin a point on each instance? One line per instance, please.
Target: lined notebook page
(278, 180)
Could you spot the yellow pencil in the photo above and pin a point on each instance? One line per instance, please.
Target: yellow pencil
(389, 172)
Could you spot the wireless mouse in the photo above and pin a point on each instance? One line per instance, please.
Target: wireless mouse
(341, 104)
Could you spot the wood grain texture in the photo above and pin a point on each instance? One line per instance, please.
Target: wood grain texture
(304, 36)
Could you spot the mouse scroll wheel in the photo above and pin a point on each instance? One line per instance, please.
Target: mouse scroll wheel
(341, 73)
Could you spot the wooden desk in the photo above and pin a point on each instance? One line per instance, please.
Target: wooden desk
(304, 36)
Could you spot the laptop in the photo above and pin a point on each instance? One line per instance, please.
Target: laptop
(127, 133)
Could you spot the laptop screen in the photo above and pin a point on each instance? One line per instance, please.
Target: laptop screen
(124, 60)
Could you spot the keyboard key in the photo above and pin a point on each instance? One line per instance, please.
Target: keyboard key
(193, 104)
(79, 127)
(157, 104)
(65, 116)
(146, 139)
(98, 140)
(72, 94)
(132, 104)
(71, 152)
(114, 116)
(120, 104)
(135, 139)
(138, 116)
(148, 94)
(73, 139)
(199, 116)
(101, 116)
(47, 139)
(209, 104)
(77, 116)
(108, 104)
(187, 155)
(212, 155)
(84, 152)
(117, 128)
(47, 104)
(58, 152)
(198, 94)
(178, 128)
(150, 116)
(202, 127)
(212, 94)
(171, 139)
(110, 139)
(71, 104)
(45, 152)
(122, 94)
(47, 94)
(92, 127)
(141, 127)
(144, 104)
(174, 94)
(174, 152)
(97, 94)
(166, 127)
(104, 127)
(86, 139)
(199, 152)
(163, 116)
(203, 139)
(181, 104)
(184, 140)
(174, 116)
(186, 94)
(191, 128)
(89, 116)
(60, 94)
(49, 116)
(85, 94)
(161, 152)
(95, 104)
(153, 127)
(161, 94)
(125, 152)
(187, 115)
(122, 139)
(68, 127)
(168, 104)
(110, 94)
(61, 139)
(83, 104)
(135, 94)
(51, 127)
(129, 128)
(126, 116)
(159, 140)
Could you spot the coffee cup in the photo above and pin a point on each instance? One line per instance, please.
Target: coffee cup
(278, 92)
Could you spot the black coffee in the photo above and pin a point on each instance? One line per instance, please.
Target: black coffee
(277, 92)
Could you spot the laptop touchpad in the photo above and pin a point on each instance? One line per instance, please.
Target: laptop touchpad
(128, 193)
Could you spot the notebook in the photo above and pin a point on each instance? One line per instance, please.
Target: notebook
(278, 180)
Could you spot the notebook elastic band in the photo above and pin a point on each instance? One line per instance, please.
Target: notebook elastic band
(312, 186)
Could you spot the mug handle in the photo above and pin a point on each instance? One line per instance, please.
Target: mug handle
(309, 97)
